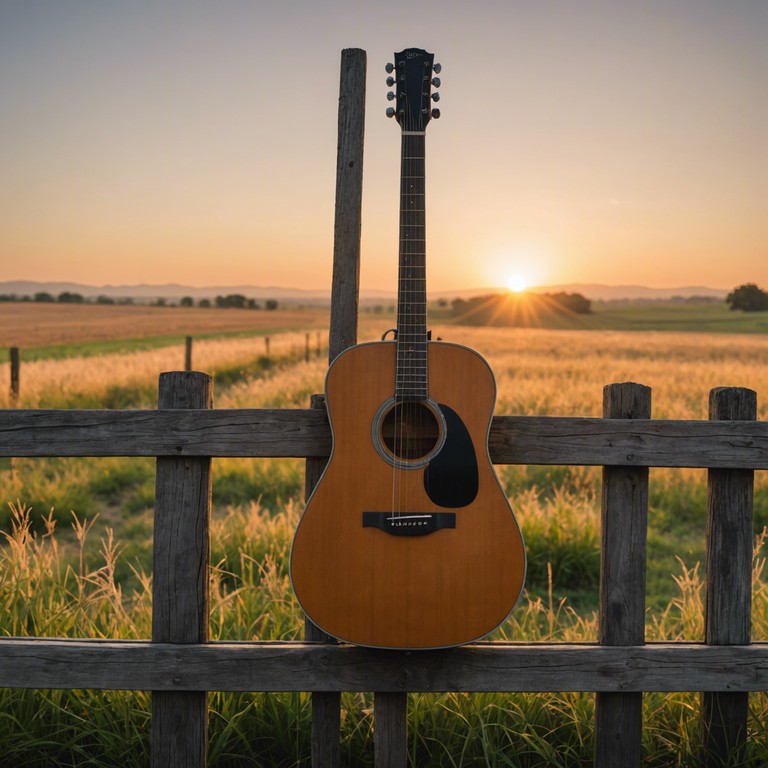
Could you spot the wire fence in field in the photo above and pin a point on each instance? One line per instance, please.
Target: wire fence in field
(99, 380)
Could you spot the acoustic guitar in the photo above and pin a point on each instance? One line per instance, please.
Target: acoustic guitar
(408, 540)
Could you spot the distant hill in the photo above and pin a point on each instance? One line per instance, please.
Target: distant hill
(144, 292)
(598, 292)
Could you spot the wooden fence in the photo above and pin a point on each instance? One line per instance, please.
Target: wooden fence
(179, 664)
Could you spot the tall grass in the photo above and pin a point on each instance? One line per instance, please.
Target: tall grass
(42, 592)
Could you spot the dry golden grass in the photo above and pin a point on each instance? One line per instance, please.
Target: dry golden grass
(53, 383)
(38, 324)
(538, 372)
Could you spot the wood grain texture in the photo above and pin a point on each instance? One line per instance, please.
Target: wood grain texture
(180, 591)
(301, 432)
(372, 588)
(728, 580)
(295, 666)
(624, 529)
(349, 198)
(390, 730)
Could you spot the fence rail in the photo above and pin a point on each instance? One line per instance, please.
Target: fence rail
(307, 666)
(304, 432)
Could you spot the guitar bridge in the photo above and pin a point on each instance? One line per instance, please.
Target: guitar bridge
(409, 523)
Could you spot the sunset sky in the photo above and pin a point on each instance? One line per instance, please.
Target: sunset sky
(580, 141)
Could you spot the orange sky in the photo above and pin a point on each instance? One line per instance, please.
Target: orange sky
(588, 141)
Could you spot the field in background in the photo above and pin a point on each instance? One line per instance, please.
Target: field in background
(93, 579)
(33, 324)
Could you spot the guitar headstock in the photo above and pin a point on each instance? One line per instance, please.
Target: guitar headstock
(411, 76)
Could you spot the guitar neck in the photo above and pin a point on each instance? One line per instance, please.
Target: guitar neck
(411, 380)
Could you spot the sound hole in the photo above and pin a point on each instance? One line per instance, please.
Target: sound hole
(410, 430)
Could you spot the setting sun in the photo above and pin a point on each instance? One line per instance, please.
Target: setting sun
(516, 283)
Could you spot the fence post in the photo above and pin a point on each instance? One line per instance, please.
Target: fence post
(15, 360)
(188, 353)
(180, 588)
(618, 716)
(345, 285)
(727, 618)
(326, 707)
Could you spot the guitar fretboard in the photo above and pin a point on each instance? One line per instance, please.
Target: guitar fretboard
(411, 380)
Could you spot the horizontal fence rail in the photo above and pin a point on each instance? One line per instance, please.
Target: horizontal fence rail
(304, 666)
(305, 433)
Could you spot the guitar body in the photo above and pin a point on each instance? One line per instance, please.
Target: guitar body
(408, 547)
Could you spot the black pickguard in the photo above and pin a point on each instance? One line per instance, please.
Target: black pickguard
(451, 478)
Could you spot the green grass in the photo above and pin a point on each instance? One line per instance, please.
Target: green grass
(645, 316)
(45, 592)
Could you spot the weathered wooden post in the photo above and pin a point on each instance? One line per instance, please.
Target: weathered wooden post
(326, 707)
(15, 360)
(306, 348)
(188, 353)
(728, 614)
(180, 588)
(618, 716)
(266, 346)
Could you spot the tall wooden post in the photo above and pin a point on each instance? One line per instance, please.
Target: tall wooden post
(730, 497)
(180, 589)
(326, 707)
(618, 716)
(345, 287)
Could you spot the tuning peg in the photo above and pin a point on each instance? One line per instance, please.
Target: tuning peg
(435, 96)
(390, 96)
(436, 82)
(390, 67)
(437, 68)
(390, 111)
(436, 113)
(390, 81)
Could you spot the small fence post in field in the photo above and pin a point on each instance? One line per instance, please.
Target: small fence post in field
(188, 353)
(306, 348)
(180, 589)
(15, 360)
(727, 618)
(266, 346)
(618, 716)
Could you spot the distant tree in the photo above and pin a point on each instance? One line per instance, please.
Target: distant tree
(271, 304)
(748, 298)
(159, 302)
(43, 296)
(204, 303)
(235, 300)
(253, 304)
(104, 300)
(71, 298)
(187, 301)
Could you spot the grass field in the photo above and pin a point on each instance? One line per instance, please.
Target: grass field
(79, 563)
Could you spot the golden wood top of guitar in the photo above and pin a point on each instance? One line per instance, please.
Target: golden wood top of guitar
(415, 573)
